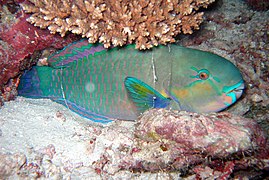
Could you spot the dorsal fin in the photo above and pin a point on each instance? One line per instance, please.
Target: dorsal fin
(74, 52)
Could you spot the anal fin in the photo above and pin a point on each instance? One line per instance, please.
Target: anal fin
(84, 112)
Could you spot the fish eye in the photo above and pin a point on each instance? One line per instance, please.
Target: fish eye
(203, 75)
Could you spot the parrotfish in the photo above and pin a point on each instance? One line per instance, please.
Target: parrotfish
(121, 83)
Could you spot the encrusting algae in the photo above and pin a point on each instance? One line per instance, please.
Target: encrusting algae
(119, 22)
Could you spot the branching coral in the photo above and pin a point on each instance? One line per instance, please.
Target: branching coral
(117, 22)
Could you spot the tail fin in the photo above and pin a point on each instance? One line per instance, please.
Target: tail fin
(30, 84)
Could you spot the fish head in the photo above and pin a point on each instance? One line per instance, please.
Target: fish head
(210, 83)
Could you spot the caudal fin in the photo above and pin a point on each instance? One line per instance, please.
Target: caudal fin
(30, 84)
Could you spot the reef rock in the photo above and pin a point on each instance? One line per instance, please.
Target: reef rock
(172, 140)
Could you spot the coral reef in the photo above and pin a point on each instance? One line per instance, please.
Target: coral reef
(19, 43)
(147, 23)
(231, 30)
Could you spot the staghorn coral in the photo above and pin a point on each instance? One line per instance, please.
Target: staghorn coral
(147, 23)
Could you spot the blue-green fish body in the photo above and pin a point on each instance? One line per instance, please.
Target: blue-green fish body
(121, 83)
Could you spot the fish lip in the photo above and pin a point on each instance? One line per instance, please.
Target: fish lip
(236, 87)
(237, 90)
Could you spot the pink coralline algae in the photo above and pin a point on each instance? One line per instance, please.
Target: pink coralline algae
(172, 140)
(19, 41)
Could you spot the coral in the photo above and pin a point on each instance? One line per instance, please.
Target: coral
(147, 23)
(19, 41)
(260, 5)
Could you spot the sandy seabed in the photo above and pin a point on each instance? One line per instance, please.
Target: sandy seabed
(40, 138)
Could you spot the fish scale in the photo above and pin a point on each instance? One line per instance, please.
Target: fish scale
(119, 83)
(101, 93)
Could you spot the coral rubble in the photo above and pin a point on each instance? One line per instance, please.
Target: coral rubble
(147, 23)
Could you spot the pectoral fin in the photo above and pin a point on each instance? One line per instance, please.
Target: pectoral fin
(144, 96)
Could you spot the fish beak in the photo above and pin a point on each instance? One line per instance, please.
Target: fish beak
(232, 93)
(239, 90)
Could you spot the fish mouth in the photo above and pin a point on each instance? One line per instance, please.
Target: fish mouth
(239, 90)
(233, 92)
